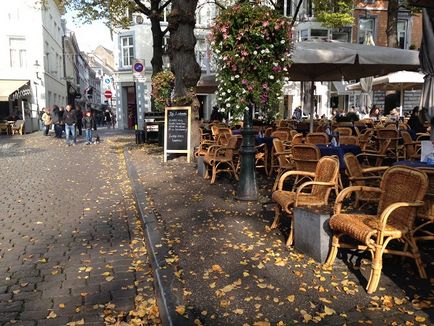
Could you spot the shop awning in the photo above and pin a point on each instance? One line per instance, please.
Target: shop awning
(8, 86)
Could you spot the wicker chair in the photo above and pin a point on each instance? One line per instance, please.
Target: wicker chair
(317, 138)
(305, 158)
(344, 131)
(261, 157)
(348, 140)
(358, 176)
(411, 148)
(325, 179)
(425, 214)
(220, 158)
(284, 159)
(401, 192)
(281, 134)
(391, 137)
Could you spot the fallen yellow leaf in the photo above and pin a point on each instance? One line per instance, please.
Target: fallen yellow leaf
(51, 315)
(180, 310)
(291, 298)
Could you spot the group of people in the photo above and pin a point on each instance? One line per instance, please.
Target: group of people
(69, 120)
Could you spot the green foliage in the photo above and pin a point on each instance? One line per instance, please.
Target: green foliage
(252, 45)
(162, 86)
(111, 12)
(334, 13)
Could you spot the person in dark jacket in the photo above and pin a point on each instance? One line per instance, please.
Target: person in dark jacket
(70, 118)
(88, 123)
(414, 121)
(56, 119)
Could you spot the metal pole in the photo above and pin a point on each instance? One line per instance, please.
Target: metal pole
(247, 189)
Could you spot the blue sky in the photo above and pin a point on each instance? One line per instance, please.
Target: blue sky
(89, 36)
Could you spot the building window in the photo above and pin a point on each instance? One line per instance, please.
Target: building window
(17, 50)
(366, 26)
(402, 34)
(127, 50)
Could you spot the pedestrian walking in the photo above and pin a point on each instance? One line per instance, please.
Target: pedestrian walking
(79, 120)
(88, 123)
(57, 120)
(70, 117)
(107, 118)
(46, 119)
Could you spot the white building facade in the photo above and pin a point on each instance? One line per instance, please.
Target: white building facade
(31, 60)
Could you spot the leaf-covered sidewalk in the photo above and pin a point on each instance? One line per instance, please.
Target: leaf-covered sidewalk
(230, 270)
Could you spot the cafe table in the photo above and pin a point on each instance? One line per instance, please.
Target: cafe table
(414, 164)
(339, 151)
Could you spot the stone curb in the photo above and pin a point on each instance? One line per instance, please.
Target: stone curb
(163, 273)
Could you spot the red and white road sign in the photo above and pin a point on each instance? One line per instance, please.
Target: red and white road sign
(108, 93)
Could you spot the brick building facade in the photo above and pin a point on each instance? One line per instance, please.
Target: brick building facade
(371, 16)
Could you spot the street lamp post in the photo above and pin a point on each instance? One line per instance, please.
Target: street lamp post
(37, 65)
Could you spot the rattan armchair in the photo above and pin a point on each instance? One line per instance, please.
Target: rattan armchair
(311, 193)
(284, 159)
(401, 192)
(359, 176)
(344, 131)
(411, 148)
(220, 158)
(317, 138)
(423, 230)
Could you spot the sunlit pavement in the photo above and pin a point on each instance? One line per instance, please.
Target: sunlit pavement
(71, 244)
(223, 266)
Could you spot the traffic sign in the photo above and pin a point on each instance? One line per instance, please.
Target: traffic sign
(108, 93)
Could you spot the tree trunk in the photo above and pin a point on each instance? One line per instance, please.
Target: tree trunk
(392, 24)
(181, 46)
(157, 37)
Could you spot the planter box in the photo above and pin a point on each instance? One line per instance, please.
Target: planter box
(312, 234)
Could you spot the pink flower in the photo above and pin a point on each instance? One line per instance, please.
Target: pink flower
(266, 23)
(244, 53)
(277, 69)
(244, 82)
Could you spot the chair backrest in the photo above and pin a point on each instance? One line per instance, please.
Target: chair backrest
(348, 140)
(344, 131)
(402, 184)
(353, 168)
(280, 148)
(297, 139)
(268, 132)
(232, 146)
(305, 157)
(317, 138)
(281, 134)
(410, 149)
(427, 211)
(327, 170)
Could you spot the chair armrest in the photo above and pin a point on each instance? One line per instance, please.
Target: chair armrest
(311, 183)
(375, 169)
(348, 191)
(293, 172)
(365, 178)
(389, 209)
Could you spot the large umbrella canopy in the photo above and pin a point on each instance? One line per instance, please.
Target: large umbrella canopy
(332, 60)
(426, 56)
(394, 81)
(400, 81)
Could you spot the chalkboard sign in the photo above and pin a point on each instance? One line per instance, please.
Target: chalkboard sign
(177, 130)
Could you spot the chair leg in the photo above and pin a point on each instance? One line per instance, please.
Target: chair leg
(376, 267)
(213, 173)
(276, 181)
(333, 252)
(234, 171)
(290, 240)
(416, 255)
(277, 214)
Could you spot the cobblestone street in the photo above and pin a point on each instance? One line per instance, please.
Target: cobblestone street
(71, 245)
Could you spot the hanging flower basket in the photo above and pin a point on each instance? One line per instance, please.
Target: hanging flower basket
(252, 46)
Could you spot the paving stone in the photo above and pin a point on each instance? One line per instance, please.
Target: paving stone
(5, 317)
(11, 306)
